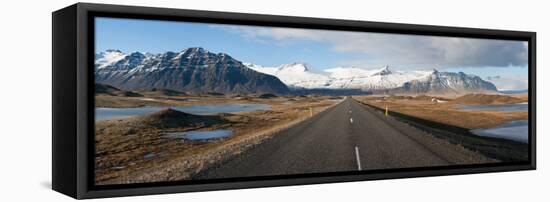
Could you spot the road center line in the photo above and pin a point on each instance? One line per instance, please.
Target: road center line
(357, 157)
(351, 120)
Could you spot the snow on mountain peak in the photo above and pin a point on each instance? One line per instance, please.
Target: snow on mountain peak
(108, 57)
(192, 50)
(251, 65)
(297, 75)
(136, 54)
(297, 66)
(348, 72)
(383, 71)
(201, 49)
(113, 51)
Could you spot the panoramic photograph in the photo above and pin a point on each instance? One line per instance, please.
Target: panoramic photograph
(183, 101)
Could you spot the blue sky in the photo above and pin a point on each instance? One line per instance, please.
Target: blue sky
(322, 49)
(158, 37)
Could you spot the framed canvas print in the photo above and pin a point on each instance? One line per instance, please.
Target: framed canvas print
(154, 100)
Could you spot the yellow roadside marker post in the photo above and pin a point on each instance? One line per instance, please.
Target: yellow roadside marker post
(386, 111)
(310, 111)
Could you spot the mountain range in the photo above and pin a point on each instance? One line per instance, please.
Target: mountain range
(191, 70)
(383, 80)
(199, 70)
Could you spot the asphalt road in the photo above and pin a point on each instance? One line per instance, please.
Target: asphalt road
(346, 137)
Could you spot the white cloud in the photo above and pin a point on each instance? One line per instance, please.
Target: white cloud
(509, 83)
(413, 51)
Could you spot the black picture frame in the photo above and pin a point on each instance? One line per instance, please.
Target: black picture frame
(73, 99)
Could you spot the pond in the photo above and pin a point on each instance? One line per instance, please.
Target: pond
(200, 135)
(513, 130)
(502, 107)
(118, 113)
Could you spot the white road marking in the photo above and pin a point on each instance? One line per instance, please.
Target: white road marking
(351, 120)
(350, 111)
(357, 157)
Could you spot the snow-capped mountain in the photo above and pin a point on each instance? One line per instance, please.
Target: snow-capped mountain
(198, 70)
(191, 70)
(447, 82)
(369, 80)
(383, 80)
(108, 57)
(296, 75)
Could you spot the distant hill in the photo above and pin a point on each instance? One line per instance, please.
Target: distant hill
(193, 70)
(163, 92)
(473, 99)
(169, 118)
(110, 90)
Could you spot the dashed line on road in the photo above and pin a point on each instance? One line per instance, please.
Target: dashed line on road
(351, 120)
(358, 159)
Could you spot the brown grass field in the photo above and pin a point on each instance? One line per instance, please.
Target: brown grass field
(135, 150)
(448, 111)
